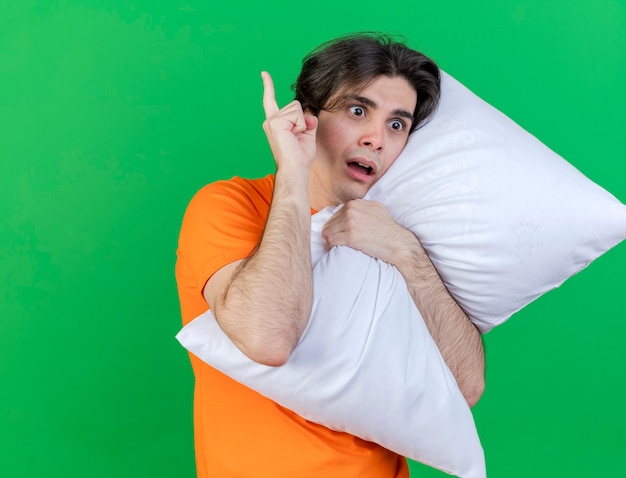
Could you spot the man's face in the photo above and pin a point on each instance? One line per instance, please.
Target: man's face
(359, 139)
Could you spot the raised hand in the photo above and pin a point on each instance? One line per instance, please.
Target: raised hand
(289, 130)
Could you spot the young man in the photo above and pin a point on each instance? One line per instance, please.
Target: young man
(244, 251)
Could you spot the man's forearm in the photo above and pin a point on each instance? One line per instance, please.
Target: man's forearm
(458, 340)
(267, 302)
(263, 303)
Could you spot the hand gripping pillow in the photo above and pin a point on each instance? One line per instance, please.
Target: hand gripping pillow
(503, 218)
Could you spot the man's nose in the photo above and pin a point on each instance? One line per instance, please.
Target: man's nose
(373, 136)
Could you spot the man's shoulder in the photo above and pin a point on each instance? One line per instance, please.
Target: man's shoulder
(234, 193)
(239, 187)
(232, 204)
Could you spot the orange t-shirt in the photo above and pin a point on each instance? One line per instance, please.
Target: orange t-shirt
(238, 432)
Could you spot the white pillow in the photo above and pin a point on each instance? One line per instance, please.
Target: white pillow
(503, 218)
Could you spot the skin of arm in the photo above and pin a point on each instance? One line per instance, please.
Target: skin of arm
(263, 302)
(368, 227)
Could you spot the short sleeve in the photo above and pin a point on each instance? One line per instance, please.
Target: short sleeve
(222, 224)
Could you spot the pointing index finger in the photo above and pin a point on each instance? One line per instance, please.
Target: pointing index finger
(269, 96)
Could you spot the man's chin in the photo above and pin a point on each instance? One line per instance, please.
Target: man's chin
(349, 194)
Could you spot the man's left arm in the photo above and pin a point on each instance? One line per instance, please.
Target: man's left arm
(368, 227)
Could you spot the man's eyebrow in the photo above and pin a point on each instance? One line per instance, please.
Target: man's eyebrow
(372, 104)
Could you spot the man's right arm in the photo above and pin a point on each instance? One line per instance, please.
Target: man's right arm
(263, 302)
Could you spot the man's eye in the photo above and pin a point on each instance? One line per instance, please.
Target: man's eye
(357, 110)
(396, 125)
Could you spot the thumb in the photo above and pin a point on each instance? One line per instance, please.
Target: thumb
(311, 122)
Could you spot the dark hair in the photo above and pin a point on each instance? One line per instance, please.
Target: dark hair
(354, 61)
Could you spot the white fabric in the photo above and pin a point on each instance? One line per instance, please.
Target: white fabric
(504, 220)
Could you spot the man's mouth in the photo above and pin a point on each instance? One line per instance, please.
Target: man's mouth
(360, 169)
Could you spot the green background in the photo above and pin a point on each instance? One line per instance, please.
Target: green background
(113, 113)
